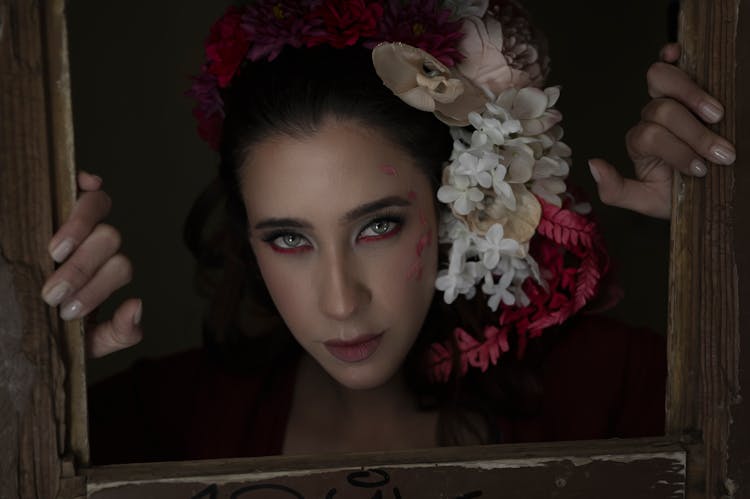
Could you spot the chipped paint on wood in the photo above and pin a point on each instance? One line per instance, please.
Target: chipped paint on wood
(659, 474)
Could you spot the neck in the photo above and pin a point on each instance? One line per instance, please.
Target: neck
(388, 401)
(333, 418)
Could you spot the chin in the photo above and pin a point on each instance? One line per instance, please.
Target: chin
(362, 375)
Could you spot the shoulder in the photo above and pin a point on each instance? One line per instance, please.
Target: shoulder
(602, 379)
(184, 406)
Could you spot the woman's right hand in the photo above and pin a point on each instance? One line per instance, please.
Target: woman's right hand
(91, 270)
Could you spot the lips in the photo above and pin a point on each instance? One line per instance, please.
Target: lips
(355, 350)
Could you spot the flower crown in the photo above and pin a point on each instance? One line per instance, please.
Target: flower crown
(514, 230)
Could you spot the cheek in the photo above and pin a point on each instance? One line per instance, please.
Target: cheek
(412, 270)
(289, 288)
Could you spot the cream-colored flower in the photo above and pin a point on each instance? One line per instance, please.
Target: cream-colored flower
(425, 83)
(519, 224)
(532, 107)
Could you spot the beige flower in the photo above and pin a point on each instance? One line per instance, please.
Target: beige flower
(519, 224)
(532, 107)
(425, 83)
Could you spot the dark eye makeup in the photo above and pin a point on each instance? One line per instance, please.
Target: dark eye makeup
(380, 227)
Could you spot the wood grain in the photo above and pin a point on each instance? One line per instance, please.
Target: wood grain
(25, 226)
(704, 331)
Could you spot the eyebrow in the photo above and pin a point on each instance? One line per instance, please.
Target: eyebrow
(350, 216)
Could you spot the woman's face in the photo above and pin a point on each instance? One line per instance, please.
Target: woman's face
(343, 227)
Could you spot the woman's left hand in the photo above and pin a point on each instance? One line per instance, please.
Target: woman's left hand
(672, 134)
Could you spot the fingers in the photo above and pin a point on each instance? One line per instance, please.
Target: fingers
(122, 331)
(670, 52)
(114, 274)
(616, 190)
(89, 210)
(74, 274)
(680, 122)
(666, 80)
(88, 181)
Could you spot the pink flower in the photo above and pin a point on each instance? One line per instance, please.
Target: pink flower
(226, 46)
(346, 22)
(273, 25)
(485, 64)
(423, 25)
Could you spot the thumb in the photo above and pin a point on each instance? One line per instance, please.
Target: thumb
(120, 332)
(609, 182)
(615, 190)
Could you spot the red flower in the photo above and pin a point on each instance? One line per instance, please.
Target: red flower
(226, 46)
(346, 22)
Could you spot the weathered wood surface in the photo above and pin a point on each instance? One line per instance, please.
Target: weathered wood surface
(739, 439)
(616, 468)
(709, 263)
(33, 412)
(63, 182)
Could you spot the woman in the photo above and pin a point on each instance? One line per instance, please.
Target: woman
(331, 182)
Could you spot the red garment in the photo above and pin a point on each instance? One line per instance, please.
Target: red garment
(602, 380)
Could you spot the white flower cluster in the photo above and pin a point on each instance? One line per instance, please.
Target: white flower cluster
(511, 150)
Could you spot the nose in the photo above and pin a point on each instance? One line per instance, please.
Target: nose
(342, 292)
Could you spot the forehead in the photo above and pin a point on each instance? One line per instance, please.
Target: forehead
(339, 167)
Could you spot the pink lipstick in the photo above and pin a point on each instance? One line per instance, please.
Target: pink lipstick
(355, 350)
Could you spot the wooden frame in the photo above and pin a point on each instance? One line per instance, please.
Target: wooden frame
(706, 452)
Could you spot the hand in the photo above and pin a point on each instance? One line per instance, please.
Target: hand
(92, 270)
(671, 135)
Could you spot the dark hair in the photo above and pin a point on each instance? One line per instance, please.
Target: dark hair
(292, 96)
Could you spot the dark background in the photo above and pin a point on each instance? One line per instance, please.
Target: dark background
(130, 65)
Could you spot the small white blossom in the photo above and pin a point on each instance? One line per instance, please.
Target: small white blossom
(493, 245)
(499, 292)
(461, 195)
(477, 168)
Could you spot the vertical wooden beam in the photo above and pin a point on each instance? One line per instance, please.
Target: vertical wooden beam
(738, 479)
(33, 86)
(63, 181)
(706, 331)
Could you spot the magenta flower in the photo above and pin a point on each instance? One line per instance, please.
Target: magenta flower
(226, 46)
(424, 25)
(209, 107)
(273, 25)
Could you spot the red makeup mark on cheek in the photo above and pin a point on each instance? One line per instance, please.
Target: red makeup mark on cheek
(415, 271)
(411, 195)
(423, 242)
(422, 219)
(388, 170)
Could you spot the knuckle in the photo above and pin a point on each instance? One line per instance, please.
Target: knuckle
(654, 73)
(658, 110)
(78, 272)
(646, 136)
(123, 267)
(110, 235)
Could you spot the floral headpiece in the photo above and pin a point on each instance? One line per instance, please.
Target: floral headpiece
(514, 230)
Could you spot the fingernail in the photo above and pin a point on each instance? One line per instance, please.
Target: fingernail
(711, 112)
(71, 310)
(62, 250)
(54, 296)
(594, 173)
(698, 168)
(723, 155)
(138, 314)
